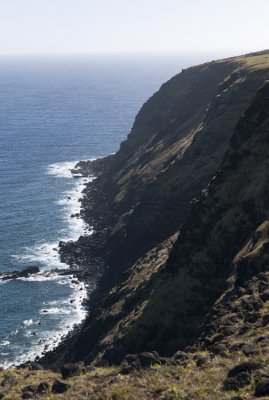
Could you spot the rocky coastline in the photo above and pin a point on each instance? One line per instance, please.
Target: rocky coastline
(137, 204)
(180, 247)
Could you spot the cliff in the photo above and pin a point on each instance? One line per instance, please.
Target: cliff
(181, 221)
(167, 263)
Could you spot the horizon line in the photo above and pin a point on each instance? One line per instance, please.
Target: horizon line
(133, 52)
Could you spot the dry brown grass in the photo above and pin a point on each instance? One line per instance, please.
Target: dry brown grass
(158, 382)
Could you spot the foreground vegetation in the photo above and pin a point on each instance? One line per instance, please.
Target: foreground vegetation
(202, 377)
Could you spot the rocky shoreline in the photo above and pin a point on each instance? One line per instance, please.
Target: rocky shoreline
(85, 256)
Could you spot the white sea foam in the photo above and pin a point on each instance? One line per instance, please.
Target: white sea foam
(40, 278)
(28, 322)
(46, 254)
(62, 169)
(4, 343)
(71, 312)
(70, 201)
(54, 310)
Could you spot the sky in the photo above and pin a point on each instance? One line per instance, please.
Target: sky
(90, 26)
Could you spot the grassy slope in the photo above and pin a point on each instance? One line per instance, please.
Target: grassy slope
(176, 382)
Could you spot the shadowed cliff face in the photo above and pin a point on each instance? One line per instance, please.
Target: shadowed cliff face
(177, 142)
(225, 236)
(161, 284)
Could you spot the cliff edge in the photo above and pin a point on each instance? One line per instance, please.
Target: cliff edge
(175, 211)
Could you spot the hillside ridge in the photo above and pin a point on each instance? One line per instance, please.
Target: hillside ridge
(141, 198)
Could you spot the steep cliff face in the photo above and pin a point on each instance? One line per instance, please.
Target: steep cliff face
(177, 142)
(224, 238)
(160, 283)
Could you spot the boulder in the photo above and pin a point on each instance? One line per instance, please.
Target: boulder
(148, 358)
(30, 389)
(200, 360)
(265, 319)
(265, 295)
(71, 369)
(130, 358)
(262, 388)
(247, 366)
(59, 387)
(31, 365)
(238, 381)
(43, 387)
(249, 349)
(27, 395)
(133, 362)
(220, 349)
(181, 356)
(252, 316)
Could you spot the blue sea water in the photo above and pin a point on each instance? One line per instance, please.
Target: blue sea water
(54, 112)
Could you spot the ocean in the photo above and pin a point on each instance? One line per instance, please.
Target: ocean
(54, 112)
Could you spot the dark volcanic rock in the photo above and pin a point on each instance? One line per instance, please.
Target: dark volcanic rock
(265, 319)
(43, 387)
(181, 356)
(133, 362)
(59, 387)
(148, 358)
(262, 388)
(265, 295)
(247, 366)
(25, 273)
(30, 389)
(31, 365)
(238, 381)
(70, 369)
(237, 398)
(28, 395)
(249, 349)
(200, 360)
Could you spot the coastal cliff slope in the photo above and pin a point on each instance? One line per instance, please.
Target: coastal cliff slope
(192, 304)
(162, 278)
(177, 142)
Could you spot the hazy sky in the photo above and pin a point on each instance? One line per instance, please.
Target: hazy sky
(83, 26)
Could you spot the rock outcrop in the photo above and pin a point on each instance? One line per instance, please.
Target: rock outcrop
(25, 273)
